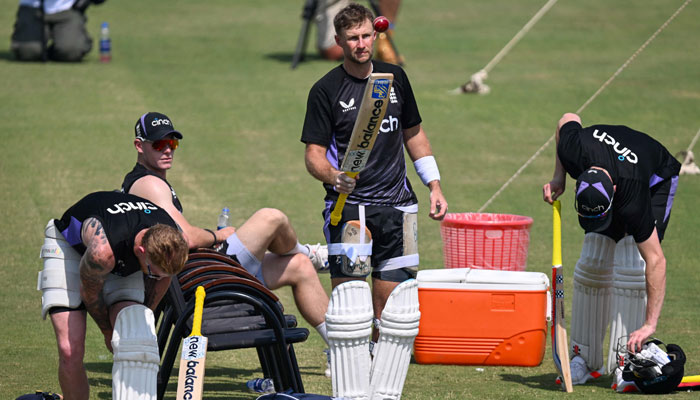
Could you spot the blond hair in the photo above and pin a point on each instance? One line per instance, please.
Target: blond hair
(166, 247)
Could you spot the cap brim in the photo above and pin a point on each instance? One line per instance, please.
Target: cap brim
(175, 133)
(595, 224)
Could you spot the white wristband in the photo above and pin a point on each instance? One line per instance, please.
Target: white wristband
(427, 169)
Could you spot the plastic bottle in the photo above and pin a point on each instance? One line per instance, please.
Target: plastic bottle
(223, 219)
(260, 385)
(105, 44)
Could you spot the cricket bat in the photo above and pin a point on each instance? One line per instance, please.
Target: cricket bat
(364, 133)
(560, 344)
(194, 355)
(691, 382)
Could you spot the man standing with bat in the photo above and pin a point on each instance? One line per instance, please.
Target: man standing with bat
(378, 223)
(626, 183)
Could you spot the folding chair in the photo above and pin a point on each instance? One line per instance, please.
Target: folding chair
(239, 313)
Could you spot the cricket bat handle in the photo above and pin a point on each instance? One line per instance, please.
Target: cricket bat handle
(556, 233)
(340, 204)
(198, 311)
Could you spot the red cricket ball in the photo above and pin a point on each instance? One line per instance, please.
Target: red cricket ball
(381, 23)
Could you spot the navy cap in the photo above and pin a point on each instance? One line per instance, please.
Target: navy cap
(593, 203)
(154, 126)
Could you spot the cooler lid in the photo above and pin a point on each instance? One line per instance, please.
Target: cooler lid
(486, 279)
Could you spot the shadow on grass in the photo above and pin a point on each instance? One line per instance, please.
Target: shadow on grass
(7, 55)
(220, 382)
(310, 370)
(547, 381)
(286, 58)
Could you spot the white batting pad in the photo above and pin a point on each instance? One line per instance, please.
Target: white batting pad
(59, 281)
(136, 358)
(629, 298)
(590, 312)
(124, 288)
(392, 353)
(349, 324)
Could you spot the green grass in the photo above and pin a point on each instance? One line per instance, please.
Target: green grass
(220, 69)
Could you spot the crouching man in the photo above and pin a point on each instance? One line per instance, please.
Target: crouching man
(110, 255)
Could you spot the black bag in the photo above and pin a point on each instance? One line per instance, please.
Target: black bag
(39, 395)
(289, 395)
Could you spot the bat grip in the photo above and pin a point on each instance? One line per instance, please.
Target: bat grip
(338, 209)
(340, 203)
(556, 233)
(198, 311)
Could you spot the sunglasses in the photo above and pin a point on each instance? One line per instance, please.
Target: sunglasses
(159, 145)
(151, 276)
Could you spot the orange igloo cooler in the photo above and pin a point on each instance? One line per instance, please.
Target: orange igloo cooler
(482, 317)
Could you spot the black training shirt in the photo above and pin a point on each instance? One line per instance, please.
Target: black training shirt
(331, 110)
(634, 160)
(122, 216)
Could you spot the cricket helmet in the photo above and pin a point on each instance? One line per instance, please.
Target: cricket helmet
(651, 376)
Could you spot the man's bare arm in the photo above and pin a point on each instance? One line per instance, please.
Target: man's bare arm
(556, 187)
(320, 168)
(155, 290)
(95, 266)
(653, 255)
(418, 146)
(157, 191)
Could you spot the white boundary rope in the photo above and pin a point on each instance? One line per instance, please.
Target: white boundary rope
(619, 70)
(519, 35)
(692, 142)
(688, 167)
(479, 76)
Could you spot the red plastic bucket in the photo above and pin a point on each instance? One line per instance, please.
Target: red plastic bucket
(486, 241)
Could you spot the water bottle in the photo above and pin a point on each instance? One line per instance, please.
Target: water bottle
(105, 44)
(223, 219)
(260, 385)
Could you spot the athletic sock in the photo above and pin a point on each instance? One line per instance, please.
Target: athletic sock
(299, 248)
(321, 329)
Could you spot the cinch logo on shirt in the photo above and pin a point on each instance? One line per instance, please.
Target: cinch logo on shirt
(348, 106)
(121, 208)
(158, 121)
(624, 154)
(389, 124)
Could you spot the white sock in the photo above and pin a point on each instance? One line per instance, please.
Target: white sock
(321, 328)
(299, 248)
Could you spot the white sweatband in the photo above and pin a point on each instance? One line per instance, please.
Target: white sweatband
(427, 169)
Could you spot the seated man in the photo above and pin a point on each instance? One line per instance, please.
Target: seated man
(266, 244)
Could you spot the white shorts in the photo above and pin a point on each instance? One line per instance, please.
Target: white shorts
(59, 281)
(245, 257)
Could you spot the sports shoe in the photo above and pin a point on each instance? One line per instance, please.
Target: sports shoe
(318, 254)
(580, 373)
(328, 363)
(622, 386)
